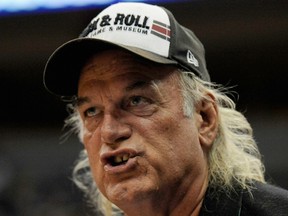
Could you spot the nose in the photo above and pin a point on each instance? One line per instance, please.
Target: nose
(113, 130)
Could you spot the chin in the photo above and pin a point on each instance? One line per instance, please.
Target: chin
(129, 191)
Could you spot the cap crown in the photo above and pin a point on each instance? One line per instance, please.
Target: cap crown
(146, 30)
(133, 24)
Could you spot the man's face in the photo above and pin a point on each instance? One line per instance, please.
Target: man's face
(140, 144)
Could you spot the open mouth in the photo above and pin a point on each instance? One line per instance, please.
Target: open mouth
(118, 159)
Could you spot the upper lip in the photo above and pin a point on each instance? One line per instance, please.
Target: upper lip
(117, 156)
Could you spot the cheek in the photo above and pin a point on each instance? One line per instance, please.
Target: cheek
(182, 141)
(92, 148)
(171, 137)
(175, 127)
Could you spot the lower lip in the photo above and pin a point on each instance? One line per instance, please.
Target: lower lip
(123, 168)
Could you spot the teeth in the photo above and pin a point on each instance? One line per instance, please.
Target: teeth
(121, 158)
(118, 159)
(125, 157)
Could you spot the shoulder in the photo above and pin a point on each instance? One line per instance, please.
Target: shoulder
(265, 200)
(262, 200)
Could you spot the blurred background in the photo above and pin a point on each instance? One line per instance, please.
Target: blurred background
(246, 47)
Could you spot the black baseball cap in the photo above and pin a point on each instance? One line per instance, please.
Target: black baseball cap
(146, 30)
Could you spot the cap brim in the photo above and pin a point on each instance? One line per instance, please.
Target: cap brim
(62, 70)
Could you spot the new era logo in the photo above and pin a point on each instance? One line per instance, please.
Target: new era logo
(191, 59)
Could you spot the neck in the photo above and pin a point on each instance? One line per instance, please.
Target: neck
(186, 200)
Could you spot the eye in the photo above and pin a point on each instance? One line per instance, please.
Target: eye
(140, 106)
(137, 101)
(91, 112)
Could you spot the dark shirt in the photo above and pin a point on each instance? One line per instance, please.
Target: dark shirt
(264, 200)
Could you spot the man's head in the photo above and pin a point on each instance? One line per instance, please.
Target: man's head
(140, 144)
(156, 132)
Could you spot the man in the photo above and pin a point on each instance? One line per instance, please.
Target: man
(159, 137)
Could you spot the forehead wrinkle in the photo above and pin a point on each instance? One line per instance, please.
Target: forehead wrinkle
(106, 72)
(97, 98)
(104, 66)
(121, 66)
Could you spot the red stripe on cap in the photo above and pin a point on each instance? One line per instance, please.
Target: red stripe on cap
(162, 30)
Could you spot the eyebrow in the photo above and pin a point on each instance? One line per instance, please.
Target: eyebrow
(82, 100)
(134, 86)
(138, 85)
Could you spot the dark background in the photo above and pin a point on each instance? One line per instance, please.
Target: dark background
(246, 47)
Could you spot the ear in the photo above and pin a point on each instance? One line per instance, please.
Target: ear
(207, 120)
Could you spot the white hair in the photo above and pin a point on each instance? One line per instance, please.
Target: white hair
(234, 156)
